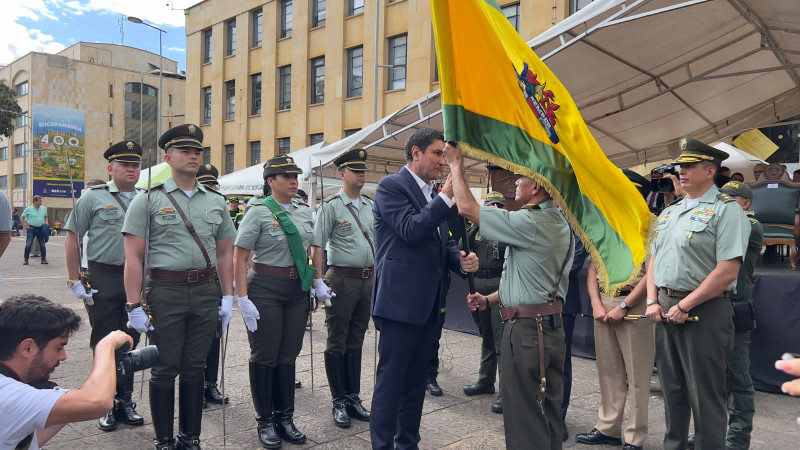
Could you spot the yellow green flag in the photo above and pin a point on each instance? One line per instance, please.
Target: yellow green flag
(505, 106)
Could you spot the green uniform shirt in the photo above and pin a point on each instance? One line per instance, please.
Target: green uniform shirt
(337, 227)
(491, 257)
(35, 217)
(744, 284)
(538, 241)
(171, 245)
(690, 242)
(100, 215)
(261, 232)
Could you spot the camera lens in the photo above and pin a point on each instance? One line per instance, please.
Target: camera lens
(143, 358)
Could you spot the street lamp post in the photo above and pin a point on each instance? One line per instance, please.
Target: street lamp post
(28, 121)
(160, 77)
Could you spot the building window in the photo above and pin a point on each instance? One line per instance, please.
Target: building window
(111, 120)
(206, 155)
(351, 132)
(110, 90)
(255, 152)
(286, 18)
(229, 158)
(318, 80)
(21, 149)
(3, 153)
(355, 64)
(21, 89)
(355, 7)
(284, 88)
(258, 27)
(230, 37)
(512, 14)
(577, 5)
(4, 181)
(207, 105)
(255, 93)
(318, 10)
(207, 44)
(21, 120)
(230, 99)
(397, 59)
(20, 180)
(283, 145)
(315, 138)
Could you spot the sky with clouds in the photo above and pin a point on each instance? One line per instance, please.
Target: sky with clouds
(52, 25)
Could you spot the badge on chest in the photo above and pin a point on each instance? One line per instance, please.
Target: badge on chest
(702, 215)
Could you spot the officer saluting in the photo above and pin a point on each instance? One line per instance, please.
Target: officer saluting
(697, 254)
(190, 246)
(345, 224)
(100, 212)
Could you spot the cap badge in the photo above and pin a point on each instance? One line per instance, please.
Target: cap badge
(192, 129)
(290, 160)
(683, 143)
(130, 145)
(208, 166)
(361, 154)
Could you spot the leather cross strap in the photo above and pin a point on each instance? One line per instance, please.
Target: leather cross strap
(119, 200)
(363, 230)
(189, 225)
(554, 295)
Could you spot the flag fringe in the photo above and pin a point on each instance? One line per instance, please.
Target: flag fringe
(594, 255)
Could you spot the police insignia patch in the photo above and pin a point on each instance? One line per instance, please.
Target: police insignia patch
(129, 145)
(192, 129)
(683, 143)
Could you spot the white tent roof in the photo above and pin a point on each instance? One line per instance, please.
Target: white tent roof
(738, 160)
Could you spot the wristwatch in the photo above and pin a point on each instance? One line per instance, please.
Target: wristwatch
(130, 306)
(651, 302)
(486, 297)
(624, 306)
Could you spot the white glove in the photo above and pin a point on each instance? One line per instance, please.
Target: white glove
(80, 291)
(226, 311)
(323, 293)
(137, 320)
(250, 313)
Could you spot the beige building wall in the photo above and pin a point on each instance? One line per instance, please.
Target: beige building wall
(79, 77)
(340, 32)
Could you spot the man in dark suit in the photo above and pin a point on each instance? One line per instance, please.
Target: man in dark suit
(412, 256)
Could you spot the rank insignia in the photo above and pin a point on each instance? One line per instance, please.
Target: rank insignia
(702, 215)
(110, 207)
(166, 210)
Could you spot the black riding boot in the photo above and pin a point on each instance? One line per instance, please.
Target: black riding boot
(124, 407)
(190, 406)
(334, 367)
(352, 361)
(261, 381)
(162, 410)
(283, 398)
(212, 393)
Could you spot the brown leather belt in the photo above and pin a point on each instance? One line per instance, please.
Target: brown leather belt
(354, 272)
(109, 268)
(512, 313)
(676, 293)
(188, 276)
(278, 272)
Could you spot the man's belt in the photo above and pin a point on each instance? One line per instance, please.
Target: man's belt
(188, 276)
(489, 273)
(522, 311)
(109, 268)
(354, 272)
(278, 272)
(676, 293)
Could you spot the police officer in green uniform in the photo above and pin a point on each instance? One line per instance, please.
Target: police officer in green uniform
(234, 211)
(345, 224)
(275, 300)
(189, 281)
(491, 256)
(739, 384)
(532, 288)
(207, 176)
(697, 254)
(100, 213)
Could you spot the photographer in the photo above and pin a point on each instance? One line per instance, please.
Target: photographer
(33, 334)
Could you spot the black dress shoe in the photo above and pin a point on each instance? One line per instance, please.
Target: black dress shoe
(595, 438)
(44, 261)
(479, 387)
(25, 263)
(340, 417)
(297, 384)
(690, 442)
(213, 395)
(433, 388)
(631, 447)
(564, 431)
(498, 405)
(125, 411)
(108, 422)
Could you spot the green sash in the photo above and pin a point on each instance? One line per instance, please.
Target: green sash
(299, 254)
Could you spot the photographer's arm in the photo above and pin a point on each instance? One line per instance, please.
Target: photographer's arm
(96, 396)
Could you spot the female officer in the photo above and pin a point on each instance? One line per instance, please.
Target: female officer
(274, 302)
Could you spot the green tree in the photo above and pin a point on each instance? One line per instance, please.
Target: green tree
(8, 108)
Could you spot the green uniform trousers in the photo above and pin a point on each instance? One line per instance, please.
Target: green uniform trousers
(108, 312)
(741, 395)
(491, 328)
(185, 319)
(348, 317)
(526, 425)
(691, 360)
(283, 307)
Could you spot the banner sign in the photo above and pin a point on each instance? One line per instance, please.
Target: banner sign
(59, 137)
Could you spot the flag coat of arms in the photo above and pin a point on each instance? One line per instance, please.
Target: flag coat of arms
(503, 105)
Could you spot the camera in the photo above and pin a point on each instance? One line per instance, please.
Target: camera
(663, 185)
(129, 362)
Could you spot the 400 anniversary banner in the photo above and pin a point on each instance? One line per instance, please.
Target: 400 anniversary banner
(59, 136)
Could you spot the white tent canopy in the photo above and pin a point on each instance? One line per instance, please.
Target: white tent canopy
(738, 160)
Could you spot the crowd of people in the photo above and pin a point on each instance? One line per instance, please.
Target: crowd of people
(171, 260)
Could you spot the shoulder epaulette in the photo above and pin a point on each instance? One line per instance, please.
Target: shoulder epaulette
(750, 213)
(675, 201)
(216, 192)
(99, 186)
(260, 195)
(330, 197)
(753, 220)
(370, 198)
(725, 197)
(155, 186)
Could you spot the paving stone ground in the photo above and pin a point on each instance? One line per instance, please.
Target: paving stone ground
(451, 421)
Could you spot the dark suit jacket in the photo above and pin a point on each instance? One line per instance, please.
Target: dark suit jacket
(411, 260)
